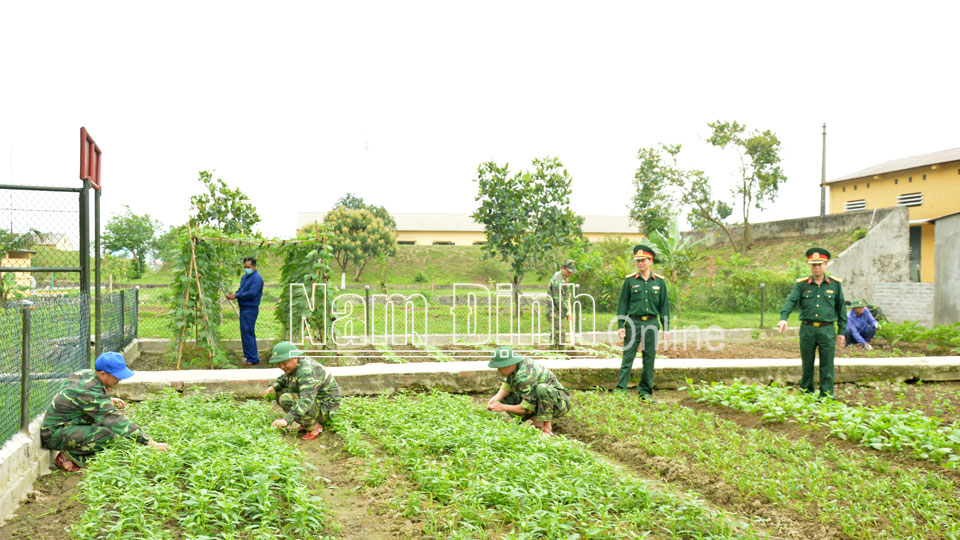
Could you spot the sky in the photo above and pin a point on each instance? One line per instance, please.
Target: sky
(298, 103)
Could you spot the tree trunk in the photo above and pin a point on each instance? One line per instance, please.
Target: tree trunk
(356, 276)
(747, 240)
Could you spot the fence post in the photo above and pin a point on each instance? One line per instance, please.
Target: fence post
(25, 367)
(136, 311)
(762, 287)
(123, 337)
(366, 310)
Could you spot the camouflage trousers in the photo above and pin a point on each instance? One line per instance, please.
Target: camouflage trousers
(318, 413)
(550, 402)
(79, 443)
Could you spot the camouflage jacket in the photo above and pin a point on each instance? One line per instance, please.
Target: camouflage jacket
(524, 380)
(553, 290)
(312, 383)
(85, 402)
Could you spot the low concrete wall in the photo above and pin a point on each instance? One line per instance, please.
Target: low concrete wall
(946, 249)
(22, 461)
(881, 256)
(908, 301)
(808, 226)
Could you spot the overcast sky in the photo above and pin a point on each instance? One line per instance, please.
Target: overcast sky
(398, 102)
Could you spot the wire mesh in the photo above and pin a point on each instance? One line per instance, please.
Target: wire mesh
(111, 331)
(11, 323)
(40, 229)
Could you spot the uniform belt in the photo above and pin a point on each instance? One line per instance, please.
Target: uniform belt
(643, 317)
(817, 324)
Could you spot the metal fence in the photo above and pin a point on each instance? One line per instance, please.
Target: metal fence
(118, 326)
(42, 341)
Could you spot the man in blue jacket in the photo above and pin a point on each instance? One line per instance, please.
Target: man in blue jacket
(248, 299)
(861, 326)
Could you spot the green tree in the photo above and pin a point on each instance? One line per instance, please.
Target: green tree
(353, 202)
(653, 204)
(526, 215)
(760, 173)
(166, 245)
(226, 209)
(675, 256)
(132, 233)
(357, 236)
(720, 209)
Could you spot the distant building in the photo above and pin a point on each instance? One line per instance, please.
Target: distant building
(928, 185)
(54, 240)
(462, 230)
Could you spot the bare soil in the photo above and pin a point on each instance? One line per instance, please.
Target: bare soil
(48, 513)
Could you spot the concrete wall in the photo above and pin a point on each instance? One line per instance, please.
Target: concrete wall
(946, 297)
(808, 226)
(907, 301)
(881, 256)
(22, 460)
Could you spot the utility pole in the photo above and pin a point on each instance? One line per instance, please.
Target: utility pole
(823, 174)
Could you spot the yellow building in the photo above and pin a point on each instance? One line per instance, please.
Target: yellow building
(462, 230)
(928, 185)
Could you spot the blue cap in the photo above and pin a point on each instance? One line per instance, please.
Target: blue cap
(112, 363)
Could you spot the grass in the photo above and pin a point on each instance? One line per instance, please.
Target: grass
(778, 254)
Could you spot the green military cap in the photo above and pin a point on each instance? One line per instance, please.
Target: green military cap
(643, 251)
(503, 357)
(284, 351)
(817, 255)
(569, 264)
(858, 302)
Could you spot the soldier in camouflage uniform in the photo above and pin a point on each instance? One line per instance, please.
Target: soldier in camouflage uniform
(306, 391)
(529, 390)
(560, 311)
(820, 300)
(83, 417)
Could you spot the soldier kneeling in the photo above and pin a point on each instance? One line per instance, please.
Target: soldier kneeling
(305, 391)
(529, 390)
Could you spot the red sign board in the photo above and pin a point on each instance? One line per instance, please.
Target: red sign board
(89, 159)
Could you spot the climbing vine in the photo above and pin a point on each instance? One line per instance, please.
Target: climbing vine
(307, 261)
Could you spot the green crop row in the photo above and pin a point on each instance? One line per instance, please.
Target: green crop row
(483, 477)
(881, 428)
(861, 495)
(227, 476)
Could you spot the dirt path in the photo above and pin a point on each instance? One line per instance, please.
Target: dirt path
(49, 512)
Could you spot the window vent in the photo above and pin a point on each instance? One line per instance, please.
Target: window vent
(910, 199)
(855, 205)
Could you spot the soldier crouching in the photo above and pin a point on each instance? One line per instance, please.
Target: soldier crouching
(306, 391)
(529, 390)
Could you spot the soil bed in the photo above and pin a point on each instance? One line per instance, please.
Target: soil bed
(48, 513)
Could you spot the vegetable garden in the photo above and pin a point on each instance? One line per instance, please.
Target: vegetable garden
(709, 461)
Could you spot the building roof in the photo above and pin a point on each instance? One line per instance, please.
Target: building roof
(465, 223)
(903, 164)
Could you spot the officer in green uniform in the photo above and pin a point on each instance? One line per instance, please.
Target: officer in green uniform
(643, 300)
(822, 312)
(528, 390)
(306, 391)
(561, 308)
(83, 417)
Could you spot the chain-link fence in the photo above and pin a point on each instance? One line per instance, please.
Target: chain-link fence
(57, 332)
(39, 230)
(118, 323)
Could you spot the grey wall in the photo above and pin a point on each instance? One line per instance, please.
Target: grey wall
(946, 274)
(808, 226)
(907, 301)
(881, 256)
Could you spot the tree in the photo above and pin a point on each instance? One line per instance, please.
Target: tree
(526, 215)
(720, 209)
(678, 188)
(760, 173)
(357, 236)
(166, 245)
(675, 256)
(227, 210)
(653, 207)
(352, 202)
(132, 233)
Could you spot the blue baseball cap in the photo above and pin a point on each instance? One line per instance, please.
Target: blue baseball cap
(112, 363)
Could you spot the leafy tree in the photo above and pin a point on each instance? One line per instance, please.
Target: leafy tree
(600, 269)
(652, 205)
(526, 215)
(227, 210)
(166, 245)
(675, 256)
(678, 188)
(352, 202)
(132, 233)
(760, 173)
(720, 209)
(357, 236)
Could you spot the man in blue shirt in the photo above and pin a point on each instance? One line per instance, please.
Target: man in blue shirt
(248, 299)
(861, 326)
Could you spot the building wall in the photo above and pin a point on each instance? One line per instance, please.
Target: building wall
(883, 255)
(15, 260)
(939, 184)
(909, 301)
(946, 303)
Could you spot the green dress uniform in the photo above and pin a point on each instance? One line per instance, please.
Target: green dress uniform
(82, 419)
(537, 390)
(822, 311)
(644, 303)
(308, 394)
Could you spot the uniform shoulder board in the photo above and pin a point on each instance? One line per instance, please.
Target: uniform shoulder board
(835, 278)
(800, 280)
(659, 276)
(631, 275)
